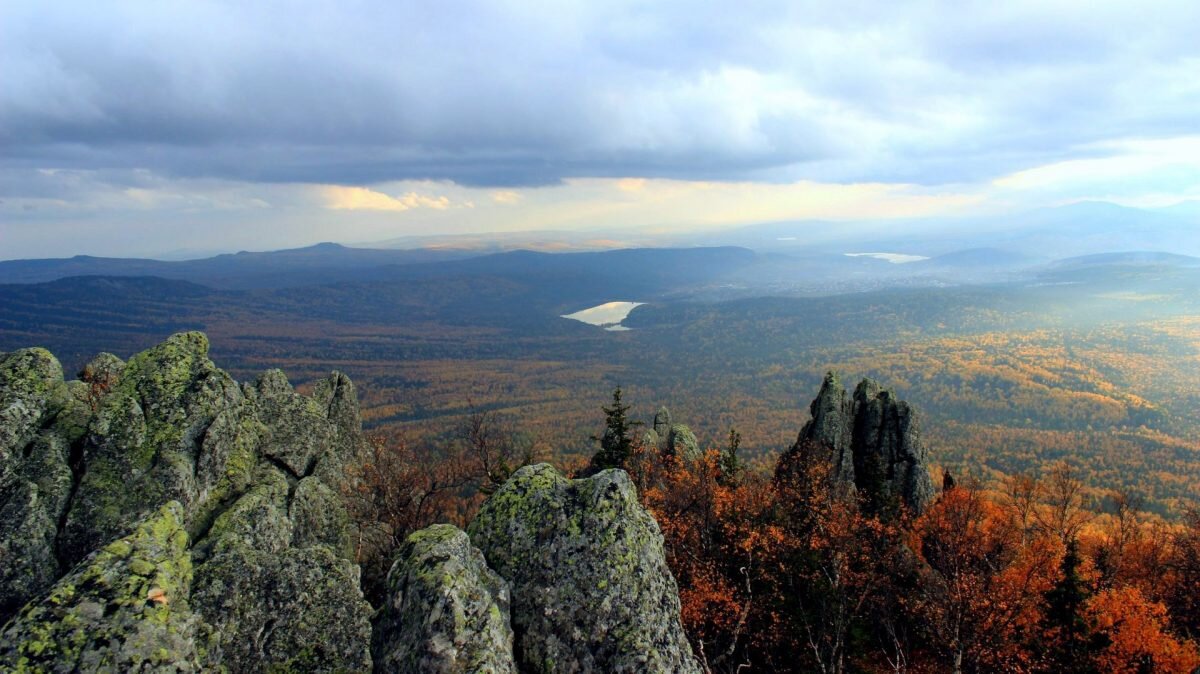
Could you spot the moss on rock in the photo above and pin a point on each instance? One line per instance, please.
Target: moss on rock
(591, 588)
(126, 608)
(446, 611)
(298, 610)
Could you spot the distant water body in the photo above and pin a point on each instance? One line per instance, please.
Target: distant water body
(894, 258)
(608, 315)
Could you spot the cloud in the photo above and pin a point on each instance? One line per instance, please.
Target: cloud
(340, 198)
(506, 197)
(506, 94)
(273, 125)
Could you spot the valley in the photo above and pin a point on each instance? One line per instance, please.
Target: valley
(1090, 361)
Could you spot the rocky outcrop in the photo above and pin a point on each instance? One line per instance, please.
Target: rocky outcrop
(669, 438)
(591, 591)
(125, 609)
(253, 475)
(681, 441)
(155, 515)
(296, 610)
(446, 611)
(40, 419)
(876, 443)
(662, 422)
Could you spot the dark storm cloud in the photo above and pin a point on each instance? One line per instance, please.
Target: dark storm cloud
(519, 94)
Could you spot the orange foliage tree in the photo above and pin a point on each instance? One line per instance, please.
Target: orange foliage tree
(1134, 628)
(984, 583)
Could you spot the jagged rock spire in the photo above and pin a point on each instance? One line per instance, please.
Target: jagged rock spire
(876, 443)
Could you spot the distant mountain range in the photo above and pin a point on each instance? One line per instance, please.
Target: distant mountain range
(325, 262)
(800, 258)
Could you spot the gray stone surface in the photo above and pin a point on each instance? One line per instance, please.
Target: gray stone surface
(591, 591)
(124, 609)
(157, 516)
(35, 479)
(682, 442)
(254, 474)
(876, 443)
(446, 612)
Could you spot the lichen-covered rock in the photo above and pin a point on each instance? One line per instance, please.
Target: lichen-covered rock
(876, 444)
(256, 521)
(35, 479)
(893, 461)
(297, 432)
(31, 382)
(650, 439)
(298, 610)
(255, 474)
(662, 422)
(591, 591)
(337, 395)
(446, 611)
(125, 609)
(225, 467)
(319, 517)
(143, 442)
(831, 425)
(102, 373)
(682, 442)
(29, 512)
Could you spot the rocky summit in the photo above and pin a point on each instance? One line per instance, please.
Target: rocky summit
(591, 589)
(876, 443)
(156, 515)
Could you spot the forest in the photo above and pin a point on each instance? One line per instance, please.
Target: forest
(783, 567)
(1009, 377)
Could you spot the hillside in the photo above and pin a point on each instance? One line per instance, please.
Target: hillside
(158, 515)
(1091, 362)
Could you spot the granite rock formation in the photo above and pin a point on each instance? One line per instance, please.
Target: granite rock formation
(446, 611)
(591, 591)
(876, 443)
(156, 515)
(225, 497)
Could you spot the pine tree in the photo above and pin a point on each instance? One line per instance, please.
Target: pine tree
(616, 445)
(1072, 644)
(730, 464)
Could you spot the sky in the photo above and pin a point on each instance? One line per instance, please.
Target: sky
(139, 128)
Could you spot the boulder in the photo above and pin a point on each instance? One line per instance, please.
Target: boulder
(446, 611)
(254, 476)
(143, 441)
(124, 609)
(30, 509)
(662, 422)
(681, 441)
(591, 591)
(297, 610)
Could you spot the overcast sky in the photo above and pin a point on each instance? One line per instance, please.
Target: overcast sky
(146, 127)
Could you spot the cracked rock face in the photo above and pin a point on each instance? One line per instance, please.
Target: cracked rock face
(124, 609)
(259, 540)
(446, 611)
(157, 516)
(39, 420)
(591, 591)
(876, 443)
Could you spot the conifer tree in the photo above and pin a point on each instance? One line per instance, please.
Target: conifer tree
(730, 464)
(1072, 646)
(616, 445)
